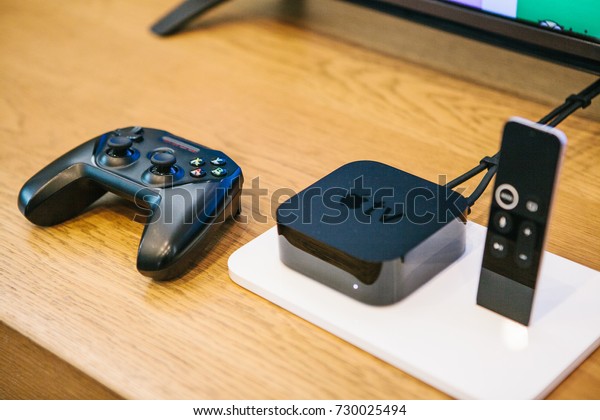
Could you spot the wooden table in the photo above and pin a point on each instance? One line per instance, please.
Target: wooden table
(289, 102)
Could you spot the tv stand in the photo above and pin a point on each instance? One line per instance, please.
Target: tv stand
(181, 15)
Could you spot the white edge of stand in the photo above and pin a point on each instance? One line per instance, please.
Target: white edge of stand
(492, 357)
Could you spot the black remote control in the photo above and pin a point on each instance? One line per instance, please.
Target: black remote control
(530, 158)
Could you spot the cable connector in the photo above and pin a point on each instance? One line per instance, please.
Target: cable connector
(489, 161)
(582, 100)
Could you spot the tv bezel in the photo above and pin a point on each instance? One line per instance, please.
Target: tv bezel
(569, 50)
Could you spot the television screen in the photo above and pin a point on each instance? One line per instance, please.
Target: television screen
(564, 31)
(576, 18)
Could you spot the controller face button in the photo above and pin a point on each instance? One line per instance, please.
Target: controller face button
(219, 172)
(198, 173)
(197, 162)
(218, 161)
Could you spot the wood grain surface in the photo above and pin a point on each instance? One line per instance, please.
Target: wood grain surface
(289, 104)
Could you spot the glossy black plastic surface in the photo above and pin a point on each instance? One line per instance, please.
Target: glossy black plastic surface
(530, 157)
(371, 231)
(154, 170)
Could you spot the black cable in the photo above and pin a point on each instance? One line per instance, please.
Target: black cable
(466, 176)
(485, 163)
(554, 113)
(485, 181)
(581, 100)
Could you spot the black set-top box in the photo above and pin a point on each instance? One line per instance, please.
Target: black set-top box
(372, 232)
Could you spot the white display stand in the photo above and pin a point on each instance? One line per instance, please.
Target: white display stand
(439, 334)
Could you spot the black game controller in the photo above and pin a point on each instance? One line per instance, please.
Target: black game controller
(186, 189)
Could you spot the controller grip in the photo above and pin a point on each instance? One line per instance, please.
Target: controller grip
(183, 224)
(61, 190)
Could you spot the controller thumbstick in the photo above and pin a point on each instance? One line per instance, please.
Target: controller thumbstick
(119, 146)
(163, 163)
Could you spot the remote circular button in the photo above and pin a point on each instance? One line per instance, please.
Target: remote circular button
(119, 146)
(507, 196)
(498, 246)
(503, 222)
(163, 163)
(532, 206)
(523, 259)
(197, 162)
(218, 161)
(198, 173)
(527, 233)
(219, 172)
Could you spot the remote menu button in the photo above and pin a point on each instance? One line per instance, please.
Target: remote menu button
(507, 196)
